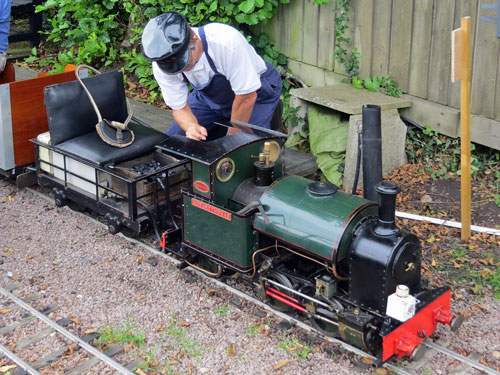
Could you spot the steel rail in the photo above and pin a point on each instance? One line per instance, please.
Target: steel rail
(25, 366)
(103, 357)
(461, 358)
(288, 318)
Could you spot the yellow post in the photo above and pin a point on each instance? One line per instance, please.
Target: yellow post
(461, 71)
(465, 127)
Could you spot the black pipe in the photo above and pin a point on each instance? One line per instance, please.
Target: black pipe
(358, 163)
(372, 150)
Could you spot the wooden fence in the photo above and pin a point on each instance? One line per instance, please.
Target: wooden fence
(411, 41)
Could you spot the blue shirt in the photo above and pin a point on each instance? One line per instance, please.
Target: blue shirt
(4, 24)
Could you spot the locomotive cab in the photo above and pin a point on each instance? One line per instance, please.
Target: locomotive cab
(216, 227)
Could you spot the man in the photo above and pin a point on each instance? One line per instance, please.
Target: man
(4, 32)
(229, 79)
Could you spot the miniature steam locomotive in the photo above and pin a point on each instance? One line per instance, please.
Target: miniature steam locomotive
(226, 206)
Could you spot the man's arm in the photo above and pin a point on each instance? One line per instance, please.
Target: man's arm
(243, 106)
(188, 122)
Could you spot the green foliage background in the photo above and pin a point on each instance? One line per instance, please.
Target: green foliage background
(106, 33)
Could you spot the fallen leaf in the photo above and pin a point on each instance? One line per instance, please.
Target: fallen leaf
(4, 369)
(496, 354)
(231, 350)
(211, 292)
(456, 264)
(140, 372)
(132, 85)
(11, 198)
(74, 319)
(159, 329)
(479, 306)
(139, 258)
(433, 264)
(431, 239)
(281, 364)
(138, 298)
(72, 347)
(381, 371)
(486, 273)
(30, 257)
(5, 311)
(184, 324)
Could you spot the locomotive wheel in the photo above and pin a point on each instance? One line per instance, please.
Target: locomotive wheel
(273, 302)
(325, 328)
(113, 227)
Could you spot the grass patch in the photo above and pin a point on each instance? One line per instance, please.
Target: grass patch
(293, 346)
(190, 347)
(126, 334)
(221, 310)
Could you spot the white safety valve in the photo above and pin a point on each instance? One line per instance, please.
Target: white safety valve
(401, 305)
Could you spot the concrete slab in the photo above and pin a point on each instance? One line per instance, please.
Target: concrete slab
(393, 146)
(347, 99)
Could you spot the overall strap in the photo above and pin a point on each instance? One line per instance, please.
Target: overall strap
(205, 49)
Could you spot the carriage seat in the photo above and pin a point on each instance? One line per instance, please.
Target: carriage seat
(72, 120)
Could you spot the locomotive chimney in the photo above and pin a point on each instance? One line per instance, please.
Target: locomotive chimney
(372, 150)
(386, 225)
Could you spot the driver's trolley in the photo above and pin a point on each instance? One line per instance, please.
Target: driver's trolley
(134, 187)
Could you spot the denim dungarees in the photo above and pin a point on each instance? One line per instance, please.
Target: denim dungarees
(213, 102)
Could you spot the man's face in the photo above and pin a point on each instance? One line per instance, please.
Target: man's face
(195, 52)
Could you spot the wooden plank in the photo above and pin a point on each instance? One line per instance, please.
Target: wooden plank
(485, 131)
(363, 35)
(420, 47)
(463, 8)
(326, 36)
(24, 321)
(311, 40)
(296, 29)
(440, 61)
(381, 37)
(28, 113)
(88, 364)
(485, 66)
(282, 29)
(401, 28)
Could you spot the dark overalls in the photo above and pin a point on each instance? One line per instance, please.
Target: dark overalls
(213, 102)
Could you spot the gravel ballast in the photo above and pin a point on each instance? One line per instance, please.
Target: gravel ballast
(191, 325)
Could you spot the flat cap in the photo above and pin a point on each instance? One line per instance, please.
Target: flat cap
(165, 39)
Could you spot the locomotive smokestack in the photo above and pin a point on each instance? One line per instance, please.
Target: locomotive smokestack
(372, 150)
(387, 191)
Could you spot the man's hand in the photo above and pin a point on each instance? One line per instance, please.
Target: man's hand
(196, 132)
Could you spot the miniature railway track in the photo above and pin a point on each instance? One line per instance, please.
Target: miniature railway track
(397, 369)
(32, 368)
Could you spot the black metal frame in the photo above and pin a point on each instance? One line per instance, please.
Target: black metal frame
(132, 216)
